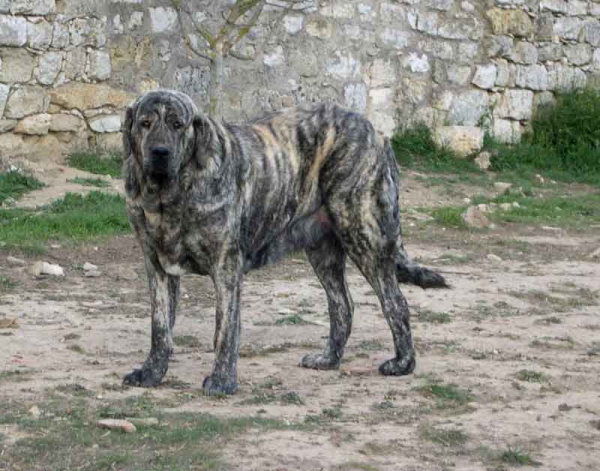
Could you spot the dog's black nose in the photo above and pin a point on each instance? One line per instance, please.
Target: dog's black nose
(159, 151)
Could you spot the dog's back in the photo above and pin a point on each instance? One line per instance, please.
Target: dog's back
(298, 157)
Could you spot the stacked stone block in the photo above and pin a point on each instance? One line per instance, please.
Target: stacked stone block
(68, 68)
(52, 69)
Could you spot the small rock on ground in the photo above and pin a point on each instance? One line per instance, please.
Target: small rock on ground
(483, 160)
(45, 268)
(125, 273)
(15, 262)
(502, 186)
(89, 266)
(9, 323)
(474, 217)
(143, 422)
(116, 424)
(358, 371)
(493, 257)
(595, 253)
(35, 412)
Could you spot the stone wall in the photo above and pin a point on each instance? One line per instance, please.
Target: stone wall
(69, 67)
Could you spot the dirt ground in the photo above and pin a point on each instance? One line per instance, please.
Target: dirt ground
(519, 338)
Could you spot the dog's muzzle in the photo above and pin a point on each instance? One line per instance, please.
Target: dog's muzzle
(157, 166)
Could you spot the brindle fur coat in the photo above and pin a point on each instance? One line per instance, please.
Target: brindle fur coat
(219, 200)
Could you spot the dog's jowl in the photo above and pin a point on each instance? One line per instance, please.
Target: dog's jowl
(219, 200)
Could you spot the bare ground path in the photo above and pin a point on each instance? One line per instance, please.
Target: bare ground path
(508, 359)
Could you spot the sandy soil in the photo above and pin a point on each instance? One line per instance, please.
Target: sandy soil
(536, 310)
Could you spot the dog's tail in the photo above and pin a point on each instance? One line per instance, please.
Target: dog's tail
(409, 271)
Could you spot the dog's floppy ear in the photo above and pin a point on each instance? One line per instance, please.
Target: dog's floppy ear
(207, 147)
(132, 183)
(127, 132)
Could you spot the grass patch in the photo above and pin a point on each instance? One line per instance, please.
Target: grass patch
(6, 283)
(414, 147)
(531, 376)
(76, 348)
(250, 351)
(450, 216)
(16, 376)
(332, 413)
(74, 389)
(99, 182)
(564, 140)
(594, 350)
(371, 345)
(261, 397)
(15, 184)
(355, 465)
(434, 317)
(100, 163)
(556, 210)
(189, 341)
(383, 405)
(446, 393)
(291, 398)
(553, 343)
(291, 320)
(63, 439)
(549, 320)
(573, 299)
(517, 457)
(73, 218)
(450, 437)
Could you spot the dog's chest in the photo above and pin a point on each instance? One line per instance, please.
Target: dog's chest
(177, 246)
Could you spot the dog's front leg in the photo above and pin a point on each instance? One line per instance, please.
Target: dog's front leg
(164, 295)
(227, 278)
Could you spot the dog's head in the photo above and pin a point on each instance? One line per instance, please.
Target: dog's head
(158, 134)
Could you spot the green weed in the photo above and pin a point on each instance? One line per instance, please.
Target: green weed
(450, 216)
(515, 456)
(189, 341)
(73, 218)
(99, 182)
(448, 437)
(564, 139)
(448, 393)
(434, 317)
(63, 437)
(294, 319)
(531, 376)
(415, 147)
(6, 283)
(15, 184)
(100, 163)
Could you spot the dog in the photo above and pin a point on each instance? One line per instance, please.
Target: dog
(219, 200)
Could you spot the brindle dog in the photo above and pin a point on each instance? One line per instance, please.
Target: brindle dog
(219, 200)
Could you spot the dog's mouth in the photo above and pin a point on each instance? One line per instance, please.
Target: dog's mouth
(158, 175)
(161, 178)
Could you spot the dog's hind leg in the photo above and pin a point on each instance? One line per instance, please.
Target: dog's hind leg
(164, 296)
(366, 218)
(329, 262)
(374, 257)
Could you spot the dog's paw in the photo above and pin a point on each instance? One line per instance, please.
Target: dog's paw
(143, 377)
(319, 361)
(213, 386)
(398, 367)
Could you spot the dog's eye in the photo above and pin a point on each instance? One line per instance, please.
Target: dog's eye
(177, 124)
(145, 123)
